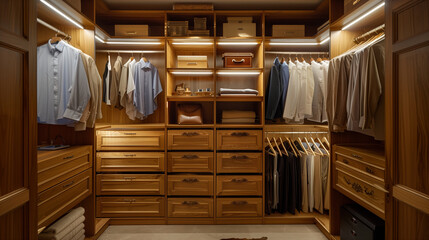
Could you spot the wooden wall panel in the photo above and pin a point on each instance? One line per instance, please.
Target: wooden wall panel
(11, 225)
(416, 226)
(419, 15)
(11, 12)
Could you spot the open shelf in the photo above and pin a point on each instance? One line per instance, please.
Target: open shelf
(207, 111)
(190, 15)
(370, 21)
(222, 17)
(190, 99)
(239, 98)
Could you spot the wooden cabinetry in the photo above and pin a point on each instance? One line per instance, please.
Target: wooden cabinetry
(192, 139)
(130, 207)
(243, 162)
(190, 208)
(130, 161)
(239, 207)
(239, 185)
(129, 140)
(130, 184)
(190, 162)
(190, 185)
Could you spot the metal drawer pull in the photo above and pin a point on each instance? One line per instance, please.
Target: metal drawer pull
(353, 232)
(357, 187)
(239, 157)
(191, 63)
(345, 161)
(354, 220)
(68, 184)
(369, 193)
(238, 180)
(129, 200)
(190, 156)
(130, 155)
(130, 133)
(356, 156)
(369, 170)
(129, 178)
(68, 157)
(241, 61)
(190, 203)
(347, 180)
(240, 134)
(190, 134)
(190, 180)
(239, 202)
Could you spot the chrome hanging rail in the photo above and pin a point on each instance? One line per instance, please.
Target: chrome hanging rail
(53, 28)
(375, 30)
(299, 53)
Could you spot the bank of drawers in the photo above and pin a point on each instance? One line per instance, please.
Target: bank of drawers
(64, 180)
(239, 173)
(130, 169)
(359, 173)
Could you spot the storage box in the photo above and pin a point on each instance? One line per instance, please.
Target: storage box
(289, 31)
(177, 28)
(200, 23)
(199, 32)
(239, 30)
(132, 30)
(192, 61)
(357, 223)
(237, 60)
(240, 19)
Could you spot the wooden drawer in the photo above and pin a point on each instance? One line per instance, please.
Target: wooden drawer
(239, 163)
(190, 139)
(241, 185)
(359, 165)
(130, 184)
(370, 154)
(56, 166)
(190, 162)
(363, 189)
(238, 62)
(239, 207)
(190, 185)
(129, 140)
(190, 207)
(57, 200)
(239, 140)
(130, 162)
(130, 207)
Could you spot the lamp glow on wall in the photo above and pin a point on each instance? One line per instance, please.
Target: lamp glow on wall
(364, 16)
(62, 14)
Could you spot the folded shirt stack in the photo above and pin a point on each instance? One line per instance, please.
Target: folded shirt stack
(69, 227)
(229, 116)
(238, 92)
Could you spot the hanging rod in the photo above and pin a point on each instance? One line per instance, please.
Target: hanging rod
(299, 53)
(375, 30)
(130, 51)
(52, 28)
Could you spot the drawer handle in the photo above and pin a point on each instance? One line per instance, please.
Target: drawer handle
(191, 63)
(354, 220)
(369, 193)
(369, 170)
(239, 202)
(129, 178)
(68, 157)
(240, 134)
(130, 155)
(353, 232)
(356, 156)
(130, 133)
(241, 61)
(68, 184)
(190, 203)
(347, 180)
(190, 156)
(345, 161)
(235, 157)
(190, 134)
(239, 180)
(357, 187)
(129, 200)
(190, 180)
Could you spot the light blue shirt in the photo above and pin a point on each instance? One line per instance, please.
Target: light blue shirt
(62, 84)
(147, 88)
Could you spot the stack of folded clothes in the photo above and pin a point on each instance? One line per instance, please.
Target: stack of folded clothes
(238, 92)
(238, 116)
(69, 227)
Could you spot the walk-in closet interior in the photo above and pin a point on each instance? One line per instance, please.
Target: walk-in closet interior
(214, 113)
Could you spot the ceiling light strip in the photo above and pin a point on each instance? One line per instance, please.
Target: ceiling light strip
(62, 14)
(135, 43)
(364, 16)
(99, 39)
(191, 73)
(237, 43)
(192, 43)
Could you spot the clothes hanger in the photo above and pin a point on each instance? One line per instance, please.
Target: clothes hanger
(317, 147)
(271, 146)
(55, 39)
(278, 148)
(284, 148)
(132, 56)
(323, 146)
(309, 147)
(327, 142)
(302, 146)
(293, 148)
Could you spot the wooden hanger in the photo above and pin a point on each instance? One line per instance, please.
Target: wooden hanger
(291, 145)
(302, 146)
(277, 145)
(317, 147)
(284, 148)
(302, 59)
(327, 142)
(323, 146)
(311, 59)
(271, 146)
(55, 39)
(309, 147)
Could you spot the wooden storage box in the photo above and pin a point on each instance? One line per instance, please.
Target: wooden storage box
(239, 30)
(132, 30)
(237, 60)
(358, 223)
(297, 31)
(190, 207)
(177, 28)
(191, 61)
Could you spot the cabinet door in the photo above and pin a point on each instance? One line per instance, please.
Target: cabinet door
(407, 115)
(18, 120)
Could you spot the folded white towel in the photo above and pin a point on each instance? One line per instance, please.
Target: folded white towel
(75, 234)
(74, 226)
(80, 235)
(65, 221)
